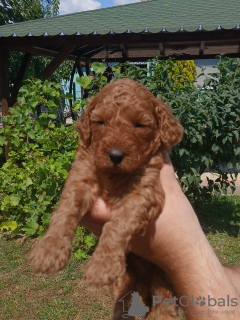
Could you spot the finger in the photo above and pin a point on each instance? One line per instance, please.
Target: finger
(166, 158)
(167, 175)
(100, 212)
(91, 225)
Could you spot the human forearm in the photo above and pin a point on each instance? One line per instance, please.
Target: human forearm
(200, 274)
(234, 274)
(177, 244)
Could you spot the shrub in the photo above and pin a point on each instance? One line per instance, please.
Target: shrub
(41, 152)
(179, 72)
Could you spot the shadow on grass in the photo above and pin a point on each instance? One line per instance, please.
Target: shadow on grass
(220, 214)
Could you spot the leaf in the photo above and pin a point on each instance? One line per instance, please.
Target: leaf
(31, 228)
(3, 141)
(34, 101)
(42, 196)
(229, 165)
(28, 123)
(199, 138)
(84, 82)
(43, 116)
(181, 152)
(31, 134)
(236, 134)
(29, 182)
(21, 100)
(80, 254)
(14, 200)
(89, 241)
(66, 96)
(98, 67)
(26, 110)
(12, 225)
(79, 231)
(52, 116)
(46, 218)
(116, 69)
(51, 104)
(15, 141)
(215, 148)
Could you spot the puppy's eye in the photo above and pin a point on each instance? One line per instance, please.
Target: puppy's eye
(139, 125)
(101, 123)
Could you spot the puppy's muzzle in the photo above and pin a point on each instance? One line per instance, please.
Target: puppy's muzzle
(116, 156)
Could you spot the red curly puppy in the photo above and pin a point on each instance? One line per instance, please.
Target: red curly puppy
(124, 131)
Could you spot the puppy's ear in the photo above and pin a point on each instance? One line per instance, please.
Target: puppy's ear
(83, 124)
(171, 132)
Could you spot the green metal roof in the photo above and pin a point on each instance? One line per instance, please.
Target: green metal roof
(150, 16)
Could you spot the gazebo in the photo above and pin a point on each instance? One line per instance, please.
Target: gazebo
(135, 32)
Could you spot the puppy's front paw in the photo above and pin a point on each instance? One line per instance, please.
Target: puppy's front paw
(50, 255)
(103, 270)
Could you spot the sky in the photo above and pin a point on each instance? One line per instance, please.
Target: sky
(70, 6)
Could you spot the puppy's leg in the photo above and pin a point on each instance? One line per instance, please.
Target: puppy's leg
(154, 289)
(53, 251)
(161, 311)
(154, 286)
(129, 217)
(121, 296)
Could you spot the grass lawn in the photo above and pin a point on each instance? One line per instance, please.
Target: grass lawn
(25, 296)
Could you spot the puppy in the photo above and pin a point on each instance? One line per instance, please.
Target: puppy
(123, 133)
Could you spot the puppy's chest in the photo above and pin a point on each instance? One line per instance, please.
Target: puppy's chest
(113, 188)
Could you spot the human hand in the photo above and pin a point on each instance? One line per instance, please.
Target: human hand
(165, 236)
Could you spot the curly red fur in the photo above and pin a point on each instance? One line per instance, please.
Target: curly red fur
(124, 117)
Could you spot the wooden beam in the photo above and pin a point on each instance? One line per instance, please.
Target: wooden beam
(89, 51)
(202, 48)
(59, 58)
(19, 81)
(42, 52)
(175, 56)
(114, 39)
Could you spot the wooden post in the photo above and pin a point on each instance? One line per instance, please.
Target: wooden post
(77, 65)
(87, 68)
(4, 90)
(79, 68)
(19, 81)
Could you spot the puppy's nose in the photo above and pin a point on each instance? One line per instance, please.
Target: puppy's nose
(116, 156)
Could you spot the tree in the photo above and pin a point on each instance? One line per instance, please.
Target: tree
(14, 11)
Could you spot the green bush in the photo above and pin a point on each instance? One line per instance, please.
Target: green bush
(179, 72)
(41, 152)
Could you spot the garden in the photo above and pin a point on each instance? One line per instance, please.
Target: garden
(42, 149)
